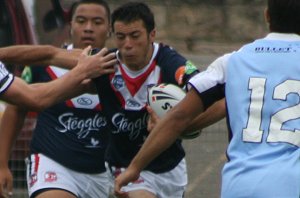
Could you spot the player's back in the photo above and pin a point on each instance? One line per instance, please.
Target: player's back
(262, 94)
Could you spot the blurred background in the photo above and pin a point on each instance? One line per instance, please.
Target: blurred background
(201, 30)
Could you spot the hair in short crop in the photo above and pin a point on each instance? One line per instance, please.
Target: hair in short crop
(75, 5)
(284, 16)
(134, 11)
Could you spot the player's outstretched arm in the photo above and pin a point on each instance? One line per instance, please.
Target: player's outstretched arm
(211, 115)
(11, 124)
(42, 95)
(165, 132)
(39, 55)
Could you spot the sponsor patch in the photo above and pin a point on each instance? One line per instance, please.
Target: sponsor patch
(50, 177)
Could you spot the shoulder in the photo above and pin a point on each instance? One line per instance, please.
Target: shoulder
(166, 49)
(166, 55)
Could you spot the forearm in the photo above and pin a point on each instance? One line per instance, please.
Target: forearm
(39, 55)
(66, 87)
(213, 114)
(160, 138)
(39, 97)
(11, 124)
(168, 129)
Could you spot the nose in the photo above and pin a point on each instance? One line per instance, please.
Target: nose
(128, 42)
(88, 27)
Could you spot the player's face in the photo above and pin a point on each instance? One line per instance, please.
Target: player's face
(89, 26)
(134, 43)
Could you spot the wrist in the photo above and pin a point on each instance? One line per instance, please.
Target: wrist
(3, 164)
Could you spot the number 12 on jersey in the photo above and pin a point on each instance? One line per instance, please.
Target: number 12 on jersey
(276, 133)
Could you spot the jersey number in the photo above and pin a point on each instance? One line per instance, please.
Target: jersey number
(253, 133)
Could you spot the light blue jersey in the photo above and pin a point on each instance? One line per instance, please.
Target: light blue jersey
(263, 94)
(263, 104)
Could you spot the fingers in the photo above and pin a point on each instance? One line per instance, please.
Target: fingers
(117, 190)
(104, 52)
(129, 175)
(106, 56)
(86, 50)
(6, 190)
(120, 194)
(96, 65)
(9, 188)
(107, 59)
(153, 118)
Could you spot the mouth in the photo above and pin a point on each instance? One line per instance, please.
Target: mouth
(128, 56)
(87, 39)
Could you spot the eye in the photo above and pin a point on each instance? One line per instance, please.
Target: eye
(135, 35)
(120, 36)
(80, 20)
(98, 21)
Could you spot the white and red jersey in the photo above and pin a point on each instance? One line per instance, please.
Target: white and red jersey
(123, 95)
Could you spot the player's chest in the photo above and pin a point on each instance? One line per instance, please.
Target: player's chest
(131, 90)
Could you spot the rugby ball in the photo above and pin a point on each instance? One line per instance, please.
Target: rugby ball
(161, 98)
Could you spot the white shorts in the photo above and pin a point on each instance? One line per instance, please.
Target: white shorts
(43, 172)
(171, 184)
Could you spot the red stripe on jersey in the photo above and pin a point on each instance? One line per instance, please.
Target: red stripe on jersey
(51, 73)
(53, 76)
(36, 162)
(98, 107)
(118, 94)
(69, 103)
(134, 84)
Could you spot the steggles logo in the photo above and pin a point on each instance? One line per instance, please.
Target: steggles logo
(69, 123)
(134, 128)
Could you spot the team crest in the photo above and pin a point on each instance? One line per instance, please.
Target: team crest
(118, 82)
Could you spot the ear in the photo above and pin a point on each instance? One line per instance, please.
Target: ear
(71, 29)
(152, 35)
(267, 15)
(109, 32)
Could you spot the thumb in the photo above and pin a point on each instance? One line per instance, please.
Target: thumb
(86, 51)
(153, 118)
(6, 189)
(10, 187)
(152, 114)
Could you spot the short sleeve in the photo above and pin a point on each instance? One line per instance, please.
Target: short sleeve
(6, 78)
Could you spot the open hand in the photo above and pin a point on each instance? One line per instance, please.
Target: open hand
(96, 65)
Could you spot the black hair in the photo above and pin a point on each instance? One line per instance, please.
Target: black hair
(75, 5)
(284, 16)
(134, 11)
